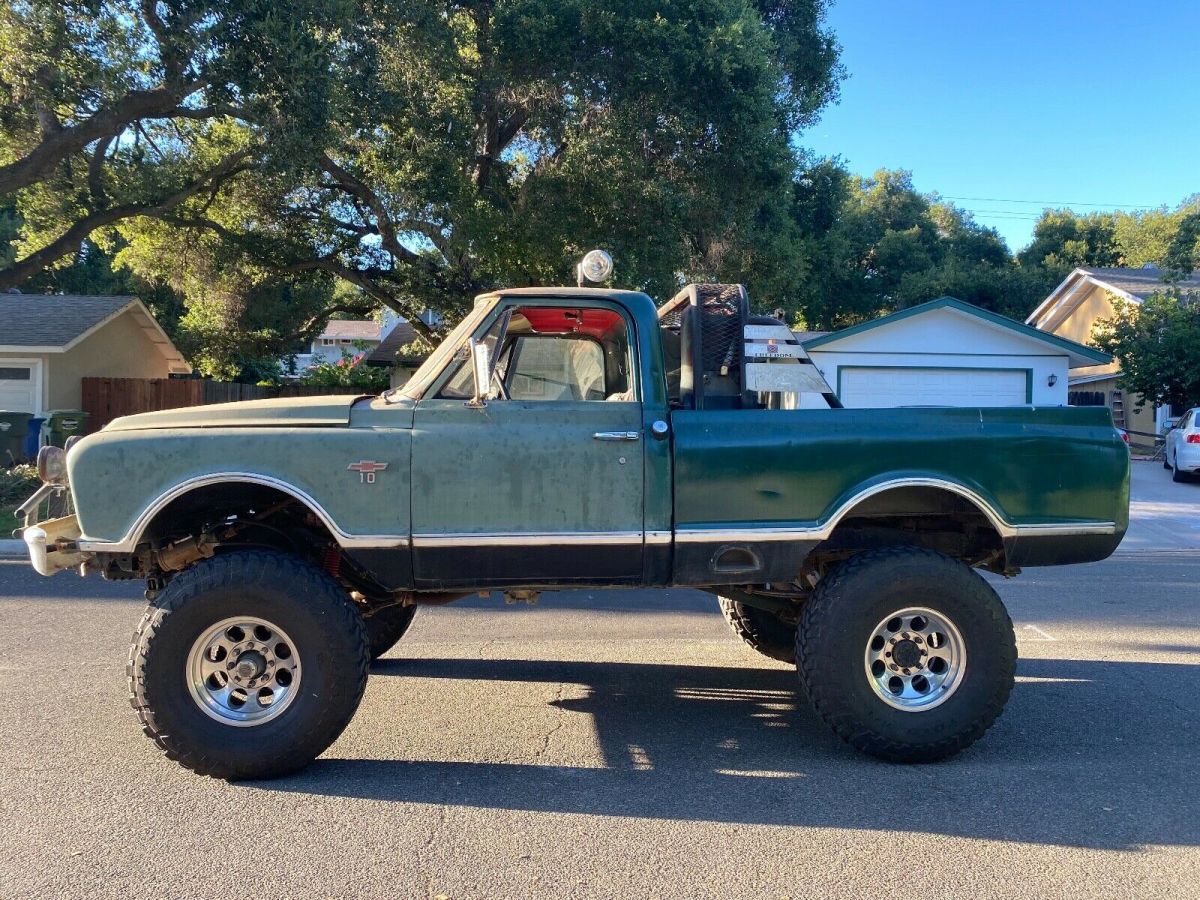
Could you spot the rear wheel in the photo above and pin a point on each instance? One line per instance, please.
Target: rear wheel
(760, 630)
(386, 626)
(248, 665)
(907, 654)
(1177, 476)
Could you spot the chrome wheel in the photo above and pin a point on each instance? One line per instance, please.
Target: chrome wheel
(915, 659)
(243, 671)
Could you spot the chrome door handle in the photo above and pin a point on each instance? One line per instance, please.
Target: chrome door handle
(616, 435)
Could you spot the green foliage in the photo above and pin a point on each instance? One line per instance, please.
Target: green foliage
(1063, 239)
(17, 484)
(349, 371)
(1183, 253)
(471, 145)
(1158, 347)
(117, 110)
(867, 246)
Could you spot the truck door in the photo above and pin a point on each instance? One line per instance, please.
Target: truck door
(544, 484)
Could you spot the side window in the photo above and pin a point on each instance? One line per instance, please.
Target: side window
(552, 354)
(554, 367)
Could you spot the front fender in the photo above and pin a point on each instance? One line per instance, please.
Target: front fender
(121, 480)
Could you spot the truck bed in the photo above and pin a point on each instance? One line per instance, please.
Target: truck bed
(1053, 482)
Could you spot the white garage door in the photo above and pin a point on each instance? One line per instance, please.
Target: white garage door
(866, 388)
(18, 386)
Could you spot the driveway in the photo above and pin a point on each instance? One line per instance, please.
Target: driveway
(1163, 515)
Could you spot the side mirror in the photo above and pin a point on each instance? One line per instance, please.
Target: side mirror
(481, 367)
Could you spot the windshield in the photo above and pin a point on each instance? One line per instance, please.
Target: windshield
(421, 379)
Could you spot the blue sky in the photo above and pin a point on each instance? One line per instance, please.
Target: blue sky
(1028, 100)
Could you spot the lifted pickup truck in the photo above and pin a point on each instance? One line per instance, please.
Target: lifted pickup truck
(565, 437)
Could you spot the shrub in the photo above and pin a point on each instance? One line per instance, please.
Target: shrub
(16, 485)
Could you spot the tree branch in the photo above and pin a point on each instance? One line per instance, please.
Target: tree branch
(70, 240)
(57, 145)
(389, 240)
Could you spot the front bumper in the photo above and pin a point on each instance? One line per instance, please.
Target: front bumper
(53, 543)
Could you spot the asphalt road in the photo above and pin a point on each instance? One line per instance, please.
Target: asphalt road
(621, 744)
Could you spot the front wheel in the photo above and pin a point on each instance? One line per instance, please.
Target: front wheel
(907, 654)
(248, 665)
(760, 630)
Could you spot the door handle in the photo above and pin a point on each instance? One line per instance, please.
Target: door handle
(616, 435)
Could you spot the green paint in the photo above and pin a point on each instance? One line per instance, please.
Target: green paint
(521, 467)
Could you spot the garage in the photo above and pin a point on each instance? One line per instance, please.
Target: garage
(947, 353)
(20, 385)
(912, 386)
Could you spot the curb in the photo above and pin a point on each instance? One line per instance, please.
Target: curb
(12, 549)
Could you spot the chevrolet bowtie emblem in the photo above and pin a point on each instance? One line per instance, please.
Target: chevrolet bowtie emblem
(366, 469)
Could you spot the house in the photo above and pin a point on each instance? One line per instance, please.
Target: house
(1072, 310)
(49, 342)
(339, 335)
(390, 352)
(947, 353)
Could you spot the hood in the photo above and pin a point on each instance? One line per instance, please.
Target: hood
(289, 412)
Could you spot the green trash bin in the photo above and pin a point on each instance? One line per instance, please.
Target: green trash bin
(13, 428)
(62, 423)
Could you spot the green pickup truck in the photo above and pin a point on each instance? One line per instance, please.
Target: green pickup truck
(564, 437)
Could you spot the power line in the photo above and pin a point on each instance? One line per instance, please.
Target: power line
(1053, 202)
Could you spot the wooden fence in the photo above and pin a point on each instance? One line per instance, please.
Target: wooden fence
(106, 399)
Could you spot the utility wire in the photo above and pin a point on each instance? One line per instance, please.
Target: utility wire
(1054, 202)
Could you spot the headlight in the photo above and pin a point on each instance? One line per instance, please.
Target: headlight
(52, 465)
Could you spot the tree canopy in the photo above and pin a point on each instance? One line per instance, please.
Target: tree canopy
(462, 145)
(251, 172)
(870, 245)
(1063, 239)
(1157, 344)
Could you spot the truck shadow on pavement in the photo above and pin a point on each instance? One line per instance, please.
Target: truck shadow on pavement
(1088, 754)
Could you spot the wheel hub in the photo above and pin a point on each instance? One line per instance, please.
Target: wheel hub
(243, 671)
(906, 654)
(250, 665)
(915, 659)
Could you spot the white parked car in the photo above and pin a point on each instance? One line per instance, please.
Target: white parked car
(1183, 447)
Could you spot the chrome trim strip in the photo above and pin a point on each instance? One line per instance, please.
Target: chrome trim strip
(655, 538)
(823, 531)
(527, 539)
(129, 542)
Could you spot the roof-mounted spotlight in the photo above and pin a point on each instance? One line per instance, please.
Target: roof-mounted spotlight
(596, 267)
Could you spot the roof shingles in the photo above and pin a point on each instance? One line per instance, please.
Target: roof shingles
(53, 320)
(1141, 283)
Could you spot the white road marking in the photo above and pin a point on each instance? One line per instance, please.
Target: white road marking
(1042, 635)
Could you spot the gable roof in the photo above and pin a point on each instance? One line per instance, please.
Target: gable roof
(1131, 285)
(353, 329)
(401, 335)
(1079, 354)
(54, 323)
(1140, 283)
(54, 320)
